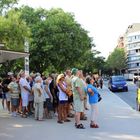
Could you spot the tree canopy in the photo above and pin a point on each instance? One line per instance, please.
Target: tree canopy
(58, 41)
(117, 60)
(6, 4)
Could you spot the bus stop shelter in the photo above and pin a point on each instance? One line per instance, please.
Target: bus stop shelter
(6, 55)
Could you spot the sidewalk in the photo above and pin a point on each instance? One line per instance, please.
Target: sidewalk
(117, 121)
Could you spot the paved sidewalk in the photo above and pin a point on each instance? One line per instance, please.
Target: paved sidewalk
(117, 121)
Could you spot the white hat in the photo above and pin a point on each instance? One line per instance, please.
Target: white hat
(38, 78)
(38, 74)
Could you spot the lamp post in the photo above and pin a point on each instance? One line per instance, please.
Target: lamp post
(26, 59)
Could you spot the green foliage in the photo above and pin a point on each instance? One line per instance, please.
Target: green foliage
(13, 31)
(6, 4)
(117, 59)
(58, 41)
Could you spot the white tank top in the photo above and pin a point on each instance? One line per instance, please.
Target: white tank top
(62, 95)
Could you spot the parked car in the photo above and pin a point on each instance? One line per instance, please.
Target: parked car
(117, 83)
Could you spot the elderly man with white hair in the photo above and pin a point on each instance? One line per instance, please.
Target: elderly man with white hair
(25, 91)
(38, 98)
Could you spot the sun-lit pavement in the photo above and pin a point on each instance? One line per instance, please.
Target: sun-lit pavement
(116, 119)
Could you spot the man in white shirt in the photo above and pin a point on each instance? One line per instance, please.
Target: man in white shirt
(25, 91)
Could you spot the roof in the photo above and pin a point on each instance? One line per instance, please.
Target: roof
(6, 55)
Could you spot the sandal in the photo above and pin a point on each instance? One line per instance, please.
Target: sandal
(24, 116)
(94, 126)
(60, 122)
(80, 126)
(71, 115)
(83, 118)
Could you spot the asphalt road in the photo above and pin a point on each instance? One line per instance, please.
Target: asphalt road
(130, 96)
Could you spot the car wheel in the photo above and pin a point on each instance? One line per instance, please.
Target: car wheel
(126, 90)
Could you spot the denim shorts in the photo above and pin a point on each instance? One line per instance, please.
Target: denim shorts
(63, 102)
(15, 101)
(3, 96)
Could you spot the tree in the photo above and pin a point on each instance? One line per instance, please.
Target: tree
(13, 32)
(117, 60)
(58, 41)
(6, 4)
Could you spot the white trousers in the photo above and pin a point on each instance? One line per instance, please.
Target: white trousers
(94, 112)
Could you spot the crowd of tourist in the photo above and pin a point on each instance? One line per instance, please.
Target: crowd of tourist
(63, 95)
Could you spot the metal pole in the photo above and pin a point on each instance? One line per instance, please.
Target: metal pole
(26, 59)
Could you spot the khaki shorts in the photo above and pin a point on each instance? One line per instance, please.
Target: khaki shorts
(78, 105)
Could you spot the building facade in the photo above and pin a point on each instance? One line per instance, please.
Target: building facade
(132, 46)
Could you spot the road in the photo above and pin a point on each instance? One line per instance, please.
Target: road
(130, 96)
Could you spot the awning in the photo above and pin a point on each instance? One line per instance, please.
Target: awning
(6, 55)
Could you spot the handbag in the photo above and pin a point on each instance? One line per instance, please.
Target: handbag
(99, 97)
(69, 92)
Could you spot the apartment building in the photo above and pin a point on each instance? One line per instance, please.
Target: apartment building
(132, 46)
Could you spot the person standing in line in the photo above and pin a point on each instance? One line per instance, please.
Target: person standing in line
(14, 91)
(63, 99)
(101, 82)
(93, 100)
(25, 91)
(48, 107)
(2, 93)
(70, 98)
(54, 92)
(6, 91)
(81, 76)
(78, 97)
(38, 98)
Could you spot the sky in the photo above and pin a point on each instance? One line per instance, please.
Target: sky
(105, 20)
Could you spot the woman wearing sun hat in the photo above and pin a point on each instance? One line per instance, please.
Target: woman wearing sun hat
(63, 99)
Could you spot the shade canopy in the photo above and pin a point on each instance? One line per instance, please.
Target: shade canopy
(6, 55)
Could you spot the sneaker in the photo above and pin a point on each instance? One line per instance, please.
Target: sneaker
(55, 115)
(60, 122)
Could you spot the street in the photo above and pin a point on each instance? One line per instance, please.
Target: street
(130, 96)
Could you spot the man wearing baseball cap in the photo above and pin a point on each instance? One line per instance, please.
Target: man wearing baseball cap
(78, 99)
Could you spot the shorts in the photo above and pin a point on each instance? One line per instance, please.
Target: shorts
(63, 102)
(3, 96)
(8, 97)
(15, 102)
(78, 105)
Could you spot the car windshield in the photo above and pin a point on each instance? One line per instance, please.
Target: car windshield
(118, 78)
